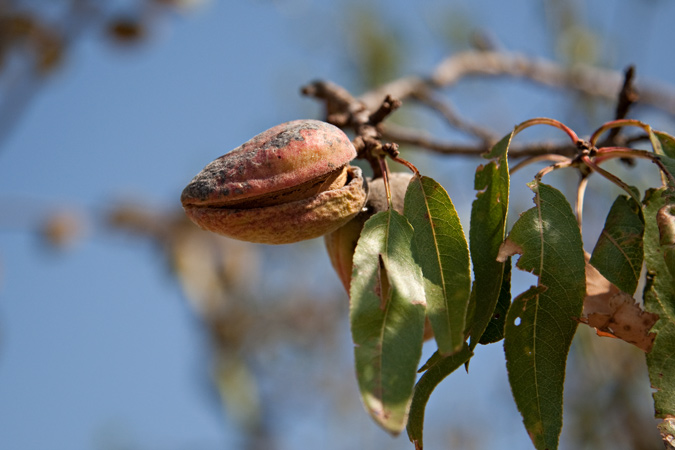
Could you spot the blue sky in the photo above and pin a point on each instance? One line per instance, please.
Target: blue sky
(97, 344)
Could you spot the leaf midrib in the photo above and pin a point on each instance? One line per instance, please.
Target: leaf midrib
(385, 260)
(536, 310)
(438, 259)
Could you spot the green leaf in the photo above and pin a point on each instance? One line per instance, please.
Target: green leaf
(665, 220)
(495, 329)
(664, 146)
(488, 228)
(425, 387)
(618, 253)
(666, 143)
(541, 322)
(443, 254)
(387, 311)
(659, 298)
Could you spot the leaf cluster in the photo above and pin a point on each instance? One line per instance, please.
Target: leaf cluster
(418, 267)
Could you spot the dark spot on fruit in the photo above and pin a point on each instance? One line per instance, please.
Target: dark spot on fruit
(284, 138)
(198, 190)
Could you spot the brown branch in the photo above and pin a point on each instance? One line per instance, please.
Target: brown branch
(343, 110)
(451, 116)
(404, 135)
(588, 80)
(627, 96)
(388, 106)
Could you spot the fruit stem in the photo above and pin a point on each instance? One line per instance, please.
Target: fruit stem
(617, 124)
(548, 169)
(606, 153)
(611, 177)
(536, 159)
(546, 121)
(385, 178)
(391, 150)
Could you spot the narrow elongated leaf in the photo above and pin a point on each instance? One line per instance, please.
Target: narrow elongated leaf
(618, 253)
(488, 229)
(425, 387)
(443, 255)
(659, 298)
(541, 322)
(387, 311)
(495, 328)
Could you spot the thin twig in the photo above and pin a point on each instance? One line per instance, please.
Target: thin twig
(453, 118)
(385, 178)
(548, 169)
(536, 159)
(607, 153)
(421, 139)
(627, 96)
(388, 106)
(610, 176)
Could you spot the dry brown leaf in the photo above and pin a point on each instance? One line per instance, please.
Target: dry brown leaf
(614, 313)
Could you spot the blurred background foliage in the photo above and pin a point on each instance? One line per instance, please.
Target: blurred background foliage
(277, 361)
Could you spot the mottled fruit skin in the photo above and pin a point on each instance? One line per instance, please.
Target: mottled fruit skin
(287, 184)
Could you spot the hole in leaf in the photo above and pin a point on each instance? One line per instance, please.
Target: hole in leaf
(517, 321)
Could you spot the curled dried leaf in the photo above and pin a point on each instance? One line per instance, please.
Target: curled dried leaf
(614, 313)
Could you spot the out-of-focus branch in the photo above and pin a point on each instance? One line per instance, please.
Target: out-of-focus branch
(588, 80)
(405, 135)
(451, 116)
(345, 110)
(627, 97)
(34, 43)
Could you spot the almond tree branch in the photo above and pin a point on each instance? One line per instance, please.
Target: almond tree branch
(346, 110)
(419, 138)
(426, 97)
(588, 80)
(628, 95)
